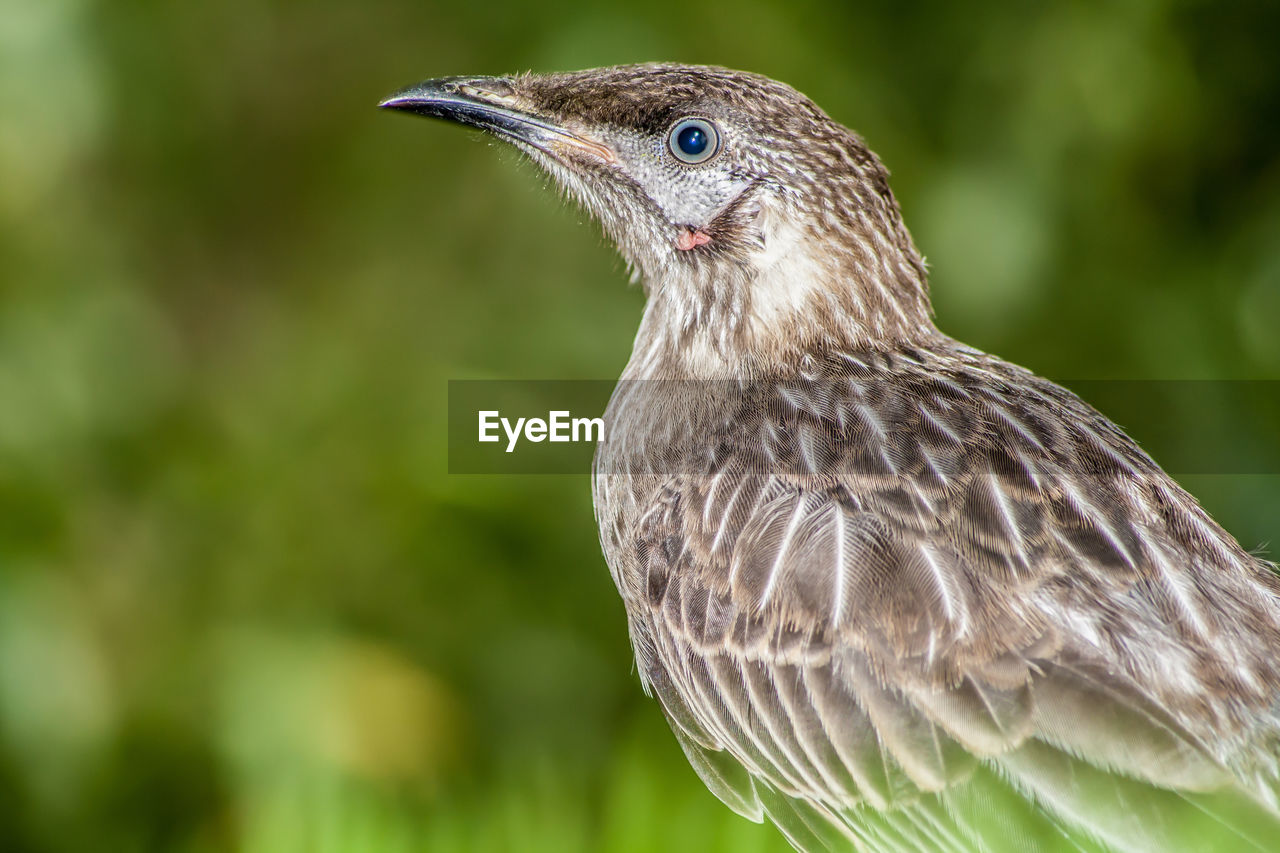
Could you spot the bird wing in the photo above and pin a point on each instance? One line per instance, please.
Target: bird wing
(905, 605)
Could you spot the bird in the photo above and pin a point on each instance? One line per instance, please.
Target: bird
(891, 592)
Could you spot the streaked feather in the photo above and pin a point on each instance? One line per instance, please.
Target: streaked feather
(905, 593)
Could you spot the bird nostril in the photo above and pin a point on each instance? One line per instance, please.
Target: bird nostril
(489, 90)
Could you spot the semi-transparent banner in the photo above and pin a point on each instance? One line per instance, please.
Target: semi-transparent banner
(556, 426)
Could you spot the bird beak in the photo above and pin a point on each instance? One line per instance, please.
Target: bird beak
(492, 104)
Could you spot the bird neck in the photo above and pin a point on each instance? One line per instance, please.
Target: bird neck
(806, 289)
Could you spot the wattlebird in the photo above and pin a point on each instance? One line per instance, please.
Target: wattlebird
(891, 592)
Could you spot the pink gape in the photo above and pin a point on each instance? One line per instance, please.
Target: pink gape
(691, 238)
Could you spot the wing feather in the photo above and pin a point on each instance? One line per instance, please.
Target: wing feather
(920, 628)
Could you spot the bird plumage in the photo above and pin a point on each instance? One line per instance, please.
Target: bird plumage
(890, 591)
(872, 582)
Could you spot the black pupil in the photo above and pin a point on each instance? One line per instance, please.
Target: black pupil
(692, 140)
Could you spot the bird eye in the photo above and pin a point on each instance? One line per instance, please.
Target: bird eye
(693, 141)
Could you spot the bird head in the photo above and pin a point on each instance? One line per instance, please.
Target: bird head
(759, 225)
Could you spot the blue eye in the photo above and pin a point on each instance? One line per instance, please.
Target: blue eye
(693, 140)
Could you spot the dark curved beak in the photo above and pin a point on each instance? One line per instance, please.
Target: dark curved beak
(493, 104)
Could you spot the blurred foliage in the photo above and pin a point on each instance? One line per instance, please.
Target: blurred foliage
(242, 605)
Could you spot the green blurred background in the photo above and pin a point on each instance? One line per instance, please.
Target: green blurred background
(242, 604)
